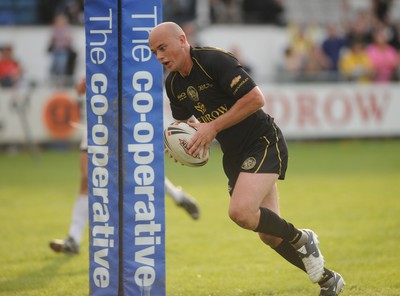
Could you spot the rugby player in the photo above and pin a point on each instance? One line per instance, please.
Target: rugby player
(208, 88)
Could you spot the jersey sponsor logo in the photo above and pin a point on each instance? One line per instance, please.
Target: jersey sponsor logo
(205, 86)
(213, 114)
(249, 163)
(182, 96)
(192, 93)
(240, 85)
(235, 80)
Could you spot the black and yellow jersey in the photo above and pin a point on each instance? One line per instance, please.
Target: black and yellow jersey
(215, 82)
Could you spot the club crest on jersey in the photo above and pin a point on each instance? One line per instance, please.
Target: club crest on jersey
(249, 163)
(200, 107)
(192, 93)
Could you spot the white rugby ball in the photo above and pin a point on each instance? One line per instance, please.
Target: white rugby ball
(176, 139)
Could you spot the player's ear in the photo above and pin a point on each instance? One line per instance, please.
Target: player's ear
(182, 40)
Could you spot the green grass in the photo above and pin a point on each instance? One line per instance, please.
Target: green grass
(347, 191)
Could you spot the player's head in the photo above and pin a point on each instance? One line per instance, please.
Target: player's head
(169, 44)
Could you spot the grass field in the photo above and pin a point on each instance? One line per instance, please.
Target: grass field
(348, 192)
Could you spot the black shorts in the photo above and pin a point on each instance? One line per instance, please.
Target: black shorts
(268, 154)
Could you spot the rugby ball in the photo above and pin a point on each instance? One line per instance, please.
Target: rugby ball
(177, 136)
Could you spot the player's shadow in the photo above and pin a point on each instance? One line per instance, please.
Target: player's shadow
(35, 279)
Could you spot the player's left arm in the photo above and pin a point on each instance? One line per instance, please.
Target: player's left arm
(243, 108)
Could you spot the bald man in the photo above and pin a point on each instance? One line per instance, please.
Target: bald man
(210, 85)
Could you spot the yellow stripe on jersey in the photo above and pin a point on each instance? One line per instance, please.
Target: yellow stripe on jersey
(172, 83)
(201, 67)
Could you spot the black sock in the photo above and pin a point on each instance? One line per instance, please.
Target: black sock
(287, 251)
(271, 223)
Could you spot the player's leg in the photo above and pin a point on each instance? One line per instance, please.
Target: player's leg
(282, 247)
(80, 213)
(331, 282)
(254, 206)
(251, 192)
(182, 199)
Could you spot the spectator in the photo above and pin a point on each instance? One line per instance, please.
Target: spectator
(290, 70)
(361, 29)
(315, 65)
(301, 39)
(383, 57)
(355, 65)
(332, 46)
(60, 47)
(304, 55)
(10, 69)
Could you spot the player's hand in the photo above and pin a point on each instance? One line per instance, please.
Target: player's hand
(202, 139)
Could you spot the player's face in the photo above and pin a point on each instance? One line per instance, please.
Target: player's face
(168, 50)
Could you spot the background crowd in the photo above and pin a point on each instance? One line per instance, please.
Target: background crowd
(365, 47)
(362, 44)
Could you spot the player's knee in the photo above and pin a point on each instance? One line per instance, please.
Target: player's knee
(240, 217)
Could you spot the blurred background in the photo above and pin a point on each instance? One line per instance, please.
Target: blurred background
(328, 69)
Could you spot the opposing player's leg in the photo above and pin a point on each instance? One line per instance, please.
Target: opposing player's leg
(182, 199)
(80, 212)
